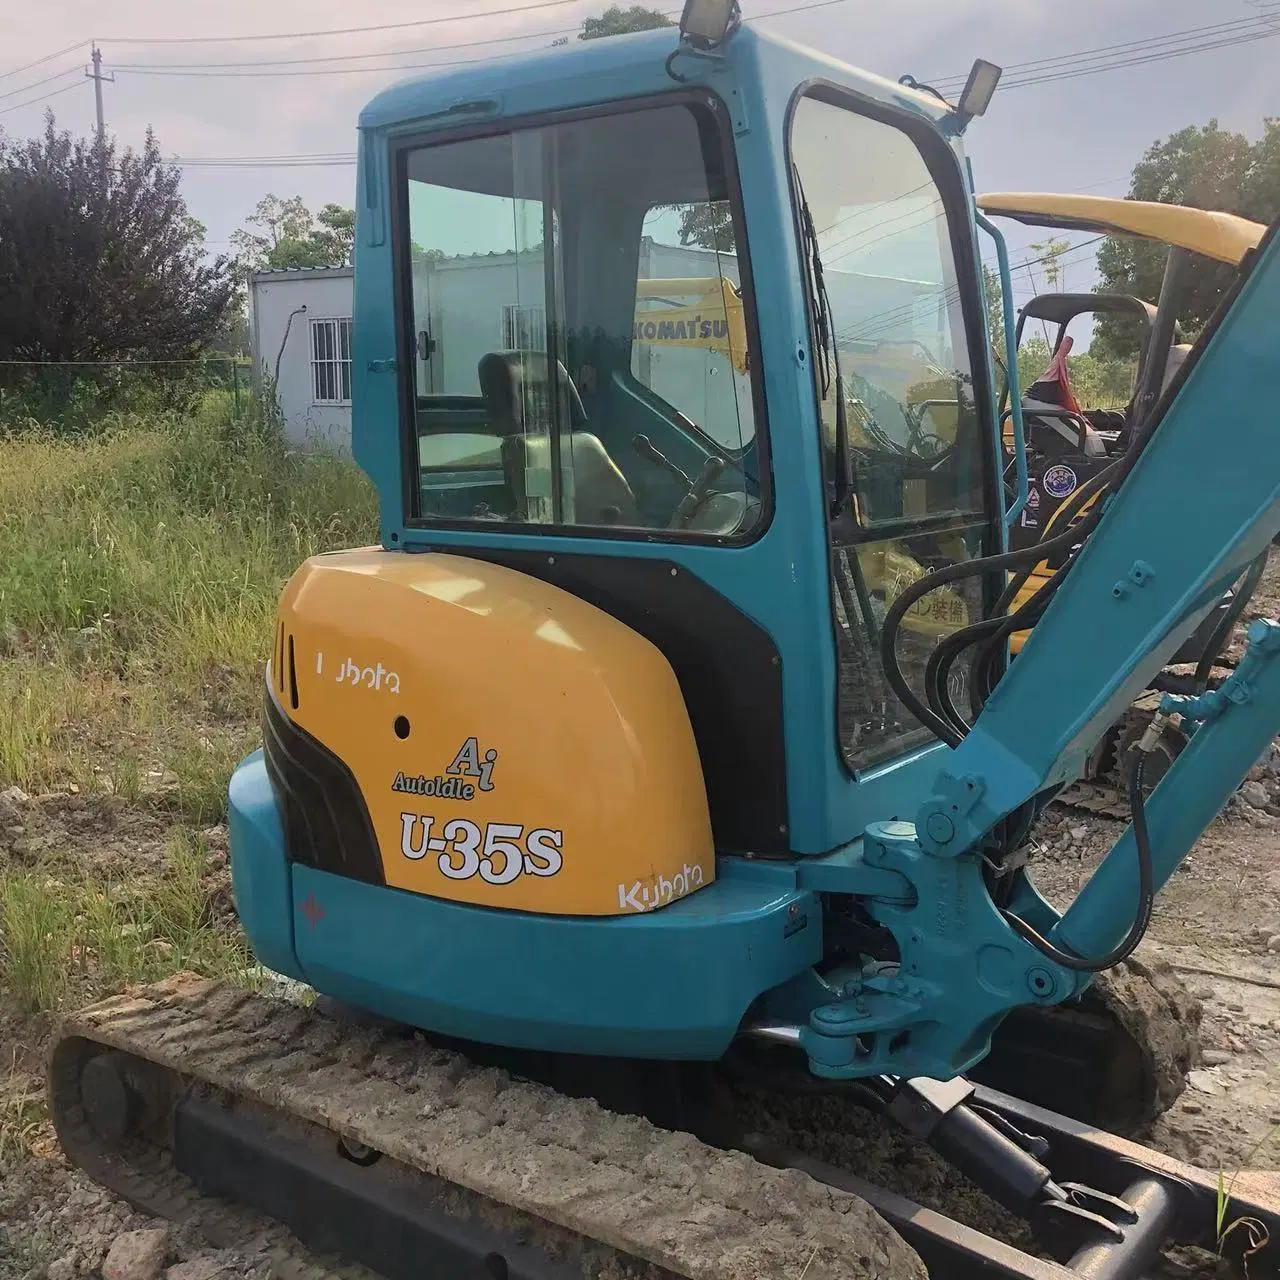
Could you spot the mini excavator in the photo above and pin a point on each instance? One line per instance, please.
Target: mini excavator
(600, 797)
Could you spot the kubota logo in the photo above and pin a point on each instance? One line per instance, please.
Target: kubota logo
(647, 897)
(352, 674)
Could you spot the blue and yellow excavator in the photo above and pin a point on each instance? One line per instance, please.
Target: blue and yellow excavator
(609, 817)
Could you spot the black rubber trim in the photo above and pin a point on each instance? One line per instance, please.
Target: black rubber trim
(728, 668)
(326, 822)
(381, 1214)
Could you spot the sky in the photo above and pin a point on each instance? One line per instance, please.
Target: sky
(1077, 134)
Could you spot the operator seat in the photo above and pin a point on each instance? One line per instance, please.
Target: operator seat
(1056, 424)
(510, 380)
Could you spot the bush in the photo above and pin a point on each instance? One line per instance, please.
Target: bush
(74, 399)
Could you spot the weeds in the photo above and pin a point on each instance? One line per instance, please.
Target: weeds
(140, 568)
(63, 936)
(1255, 1234)
(21, 1115)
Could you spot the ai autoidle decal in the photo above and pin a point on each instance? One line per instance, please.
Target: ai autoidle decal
(454, 785)
(498, 852)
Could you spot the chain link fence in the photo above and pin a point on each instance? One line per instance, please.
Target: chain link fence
(74, 396)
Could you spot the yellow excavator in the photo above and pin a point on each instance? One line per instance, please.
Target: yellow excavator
(1068, 445)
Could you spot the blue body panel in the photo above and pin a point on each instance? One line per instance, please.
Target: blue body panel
(782, 580)
(261, 877)
(673, 983)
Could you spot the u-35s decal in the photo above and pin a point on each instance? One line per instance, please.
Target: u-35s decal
(492, 852)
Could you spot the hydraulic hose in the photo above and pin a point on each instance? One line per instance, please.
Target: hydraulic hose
(941, 577)
(1146, 890)
(1222, 635)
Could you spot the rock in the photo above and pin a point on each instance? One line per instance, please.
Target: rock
(1255, 794)
(1215, 1057)
(1192, 1108)
(63, 1268)
(1273, 942)
(1201, 1081)
(137, 1255)
(1078, 834)
(207, 1268)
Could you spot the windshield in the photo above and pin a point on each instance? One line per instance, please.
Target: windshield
(917, 449)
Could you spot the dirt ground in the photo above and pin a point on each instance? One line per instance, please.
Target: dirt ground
(1217, 923)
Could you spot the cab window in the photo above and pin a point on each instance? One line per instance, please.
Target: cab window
(579, 328)
(918, 454)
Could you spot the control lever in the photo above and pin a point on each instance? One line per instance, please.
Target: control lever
(692, 500)
(650, 451)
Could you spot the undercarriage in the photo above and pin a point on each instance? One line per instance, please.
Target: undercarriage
(380, 1146)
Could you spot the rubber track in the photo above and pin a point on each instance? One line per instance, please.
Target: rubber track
(588, 1174)
(1093, 797)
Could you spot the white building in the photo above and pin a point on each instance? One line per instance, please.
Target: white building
(300, 322)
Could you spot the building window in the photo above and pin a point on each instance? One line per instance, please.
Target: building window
(524, 328)
(331, 361)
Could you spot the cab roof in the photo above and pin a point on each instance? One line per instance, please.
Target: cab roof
(586, 72)
(1221, 236)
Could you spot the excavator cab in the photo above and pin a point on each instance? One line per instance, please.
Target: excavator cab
(658, 396)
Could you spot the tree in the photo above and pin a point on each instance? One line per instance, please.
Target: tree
(1049, 256)
(1207, 168)
(616, 21)
(709, 225)
(99, 259)
(288, 236)
(993, 291)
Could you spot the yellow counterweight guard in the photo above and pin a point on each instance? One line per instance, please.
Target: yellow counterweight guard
(516, 747)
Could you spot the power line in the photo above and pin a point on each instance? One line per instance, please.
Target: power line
(1127, 53)
(1147, 43)
(270, 68)
(35, 84)
(345, 31)
(228, 67)
(53, 93)
(39, 62)
(1247, 38)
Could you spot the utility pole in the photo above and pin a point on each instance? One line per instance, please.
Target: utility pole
(97, 77)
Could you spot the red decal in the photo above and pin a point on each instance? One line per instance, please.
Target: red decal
(312, 910)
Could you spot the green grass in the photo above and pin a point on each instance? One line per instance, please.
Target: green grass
(21, 1114)
(141, 564)
(140, 569)
(66, 937)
